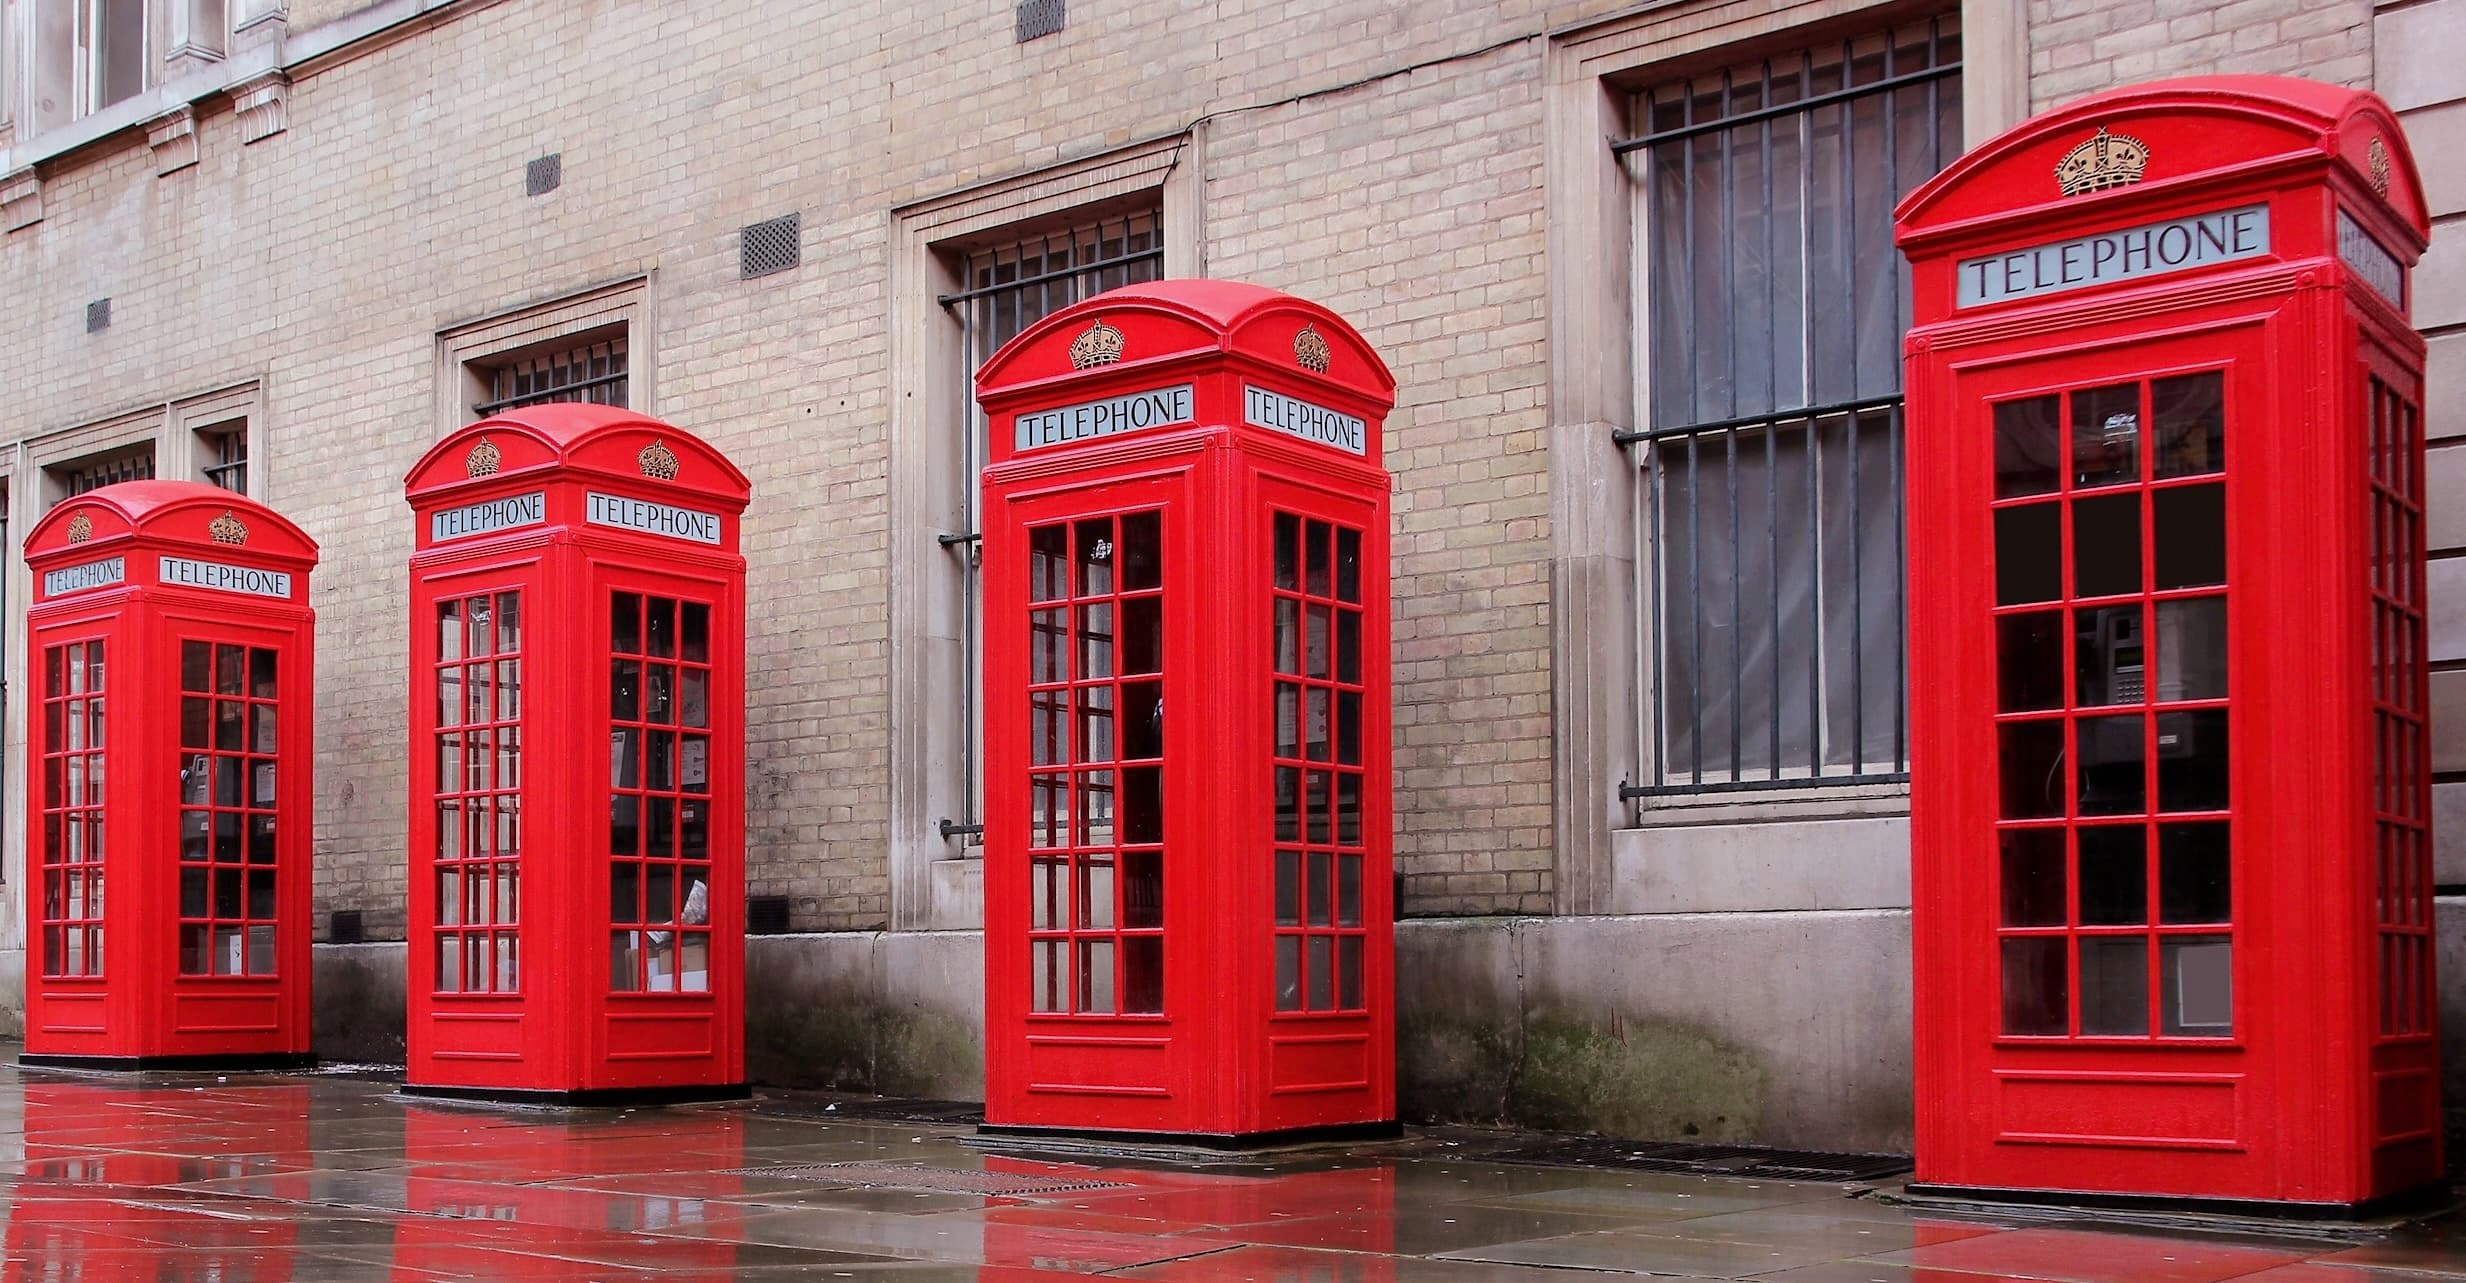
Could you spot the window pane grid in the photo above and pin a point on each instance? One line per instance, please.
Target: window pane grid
(133, 465)
(477, 864)
(229, 757)
(1319, 789)
(659, 826)
(2114, 851)
(1097, 773)
(230, 467)
(1006, 287)
(74, 692)
(2402, 873)
(1769, 489)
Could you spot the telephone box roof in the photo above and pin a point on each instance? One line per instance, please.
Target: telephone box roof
(578, 436)
(171, 511)
(1216, 317)
(2197, 132)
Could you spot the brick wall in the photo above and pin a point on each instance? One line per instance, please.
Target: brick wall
(2078, 47)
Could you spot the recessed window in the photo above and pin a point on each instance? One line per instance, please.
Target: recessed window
(592, 371)
(134, 463)
(223, 454)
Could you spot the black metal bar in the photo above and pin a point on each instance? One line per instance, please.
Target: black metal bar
(1757, 420)
(1625, 145)
(948, 541)
(1652, 522)
(1695, 618)
(1630, 792)
(1900, 618)
(1858, 608)
(550, 393)
(953, 830)
(1041, 278)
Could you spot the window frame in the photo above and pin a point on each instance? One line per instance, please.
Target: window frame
(469, 353)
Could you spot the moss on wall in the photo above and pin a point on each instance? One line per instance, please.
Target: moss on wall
(1560, 1069)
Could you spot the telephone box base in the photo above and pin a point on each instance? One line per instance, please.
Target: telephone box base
(679, 1094)
(245, 1060)
(1219, 1141)
(2421, 1199)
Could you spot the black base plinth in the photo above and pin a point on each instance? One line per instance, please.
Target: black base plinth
(2422, 1198)
(243, 1062)
(1226, 1142)
(682, 1094)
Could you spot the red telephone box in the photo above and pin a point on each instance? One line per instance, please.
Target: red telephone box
(2170, 779)
(1188, 927)
(169, 649)
(577, 797)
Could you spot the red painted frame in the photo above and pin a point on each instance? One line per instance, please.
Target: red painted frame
(101, 566)
(544, 508)
(2323, 1093)
(1221, 1060)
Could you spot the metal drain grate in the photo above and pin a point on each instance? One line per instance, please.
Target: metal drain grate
(938, 1180)
(1746, 1161)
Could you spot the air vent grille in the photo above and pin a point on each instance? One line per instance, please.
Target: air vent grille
(98, 316)
(541, 176)
(770, 246)
(1040, 18)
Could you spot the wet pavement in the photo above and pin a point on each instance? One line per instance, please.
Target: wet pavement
(326, 1179)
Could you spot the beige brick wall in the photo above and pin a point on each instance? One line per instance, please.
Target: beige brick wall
(2078, 47)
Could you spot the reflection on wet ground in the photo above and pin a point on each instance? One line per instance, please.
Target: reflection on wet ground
(241, 1179)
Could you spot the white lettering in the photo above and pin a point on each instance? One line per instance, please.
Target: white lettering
(1131, 412)
(85, 575)
(652, 518)
(218, 577)
(509, 513)
(1277, 412)
(2202, 240)
(2372, 261)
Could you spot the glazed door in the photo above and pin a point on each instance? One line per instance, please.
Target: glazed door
(72, 668)
(1327, 859)
(666, 875)
(230, 763)
(2111, 861)
(1085, 934)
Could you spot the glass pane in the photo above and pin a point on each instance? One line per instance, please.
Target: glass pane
(261, 839)
(1048, 654)
(1095, 563)
(625, 892)
(2029, 661)
(195, 666)
(1288, 973)
(1348, 972)
(1316, 888)
(2026, 443)
(1318, 813)
(2190, 524)
(2192, 649)
(1317, 624)
(694, 698)
(2198, 975)
(264, 730)
(1095, 976)
(2106, 545)
(1143, 975)
(1348, 890)
(1095, 721)
(1315, 561)
(1142, 557)
(482, 641)
(261, 673)
(1288, 720)
(449, 963)
(1142, 889)
(230, 724)
(625, 623)
(2195, 875)
(695, 964)
(2033, 878)
(2028, 554)
(2112, 776)
(2032, 760)
(1348, 565)
(1142, 720)
(196, 723)
(1348, 645)
(1318, 742)
(509, 622)
(2106, 435)
(2036, 994)
(2115, 985)
(659, 693)
(1044, 974)
(230, 670)
(1095, 894)
(261, 893)
(1322, 973)
(1096, 641)
(697, 633)
(1288, 804)
(1348, 808)
(1048, 810)
(2114, 875)
(625, 826)
(1142, 639)
(192, 895)
(1288, 552)
(1045, 895)
(660, 625)
(1096, 808)
(1143, 805)
(624, 961)
(1048, 554)
(2107, 656)
(2192, 760)
(2190, 415)
(261, 951)
(1288, 635)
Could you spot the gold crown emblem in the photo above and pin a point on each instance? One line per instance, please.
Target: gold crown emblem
(658, 462)
(1310, 350)
(1100, 345)
(483, 459)
(81, 528)
(2105, 160)
(2377, 155)
(227, 529)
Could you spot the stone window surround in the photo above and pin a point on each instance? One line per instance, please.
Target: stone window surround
(933, 887)
(1592, 72)
(468, 351)
(172, 428)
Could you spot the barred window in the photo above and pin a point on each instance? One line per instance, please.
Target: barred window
(224, 447)
(134, 463)
(592, 371)
(1768, 503)
(1011, 280)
